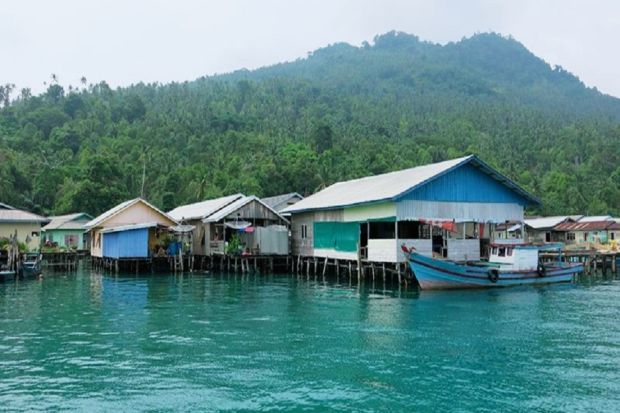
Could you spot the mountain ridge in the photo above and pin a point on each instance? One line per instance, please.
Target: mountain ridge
(342, 112)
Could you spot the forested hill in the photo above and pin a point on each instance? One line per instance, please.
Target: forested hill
(340, 113)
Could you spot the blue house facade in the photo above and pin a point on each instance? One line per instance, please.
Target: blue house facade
(126, 243)
(447, 209)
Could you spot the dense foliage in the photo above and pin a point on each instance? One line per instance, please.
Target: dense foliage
(342, 112)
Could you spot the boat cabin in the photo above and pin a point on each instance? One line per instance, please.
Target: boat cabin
(518, 257)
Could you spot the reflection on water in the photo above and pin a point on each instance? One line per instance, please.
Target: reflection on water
(230, 342)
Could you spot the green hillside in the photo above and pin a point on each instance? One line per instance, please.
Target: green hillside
(342, 112)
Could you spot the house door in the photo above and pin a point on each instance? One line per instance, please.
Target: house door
(363, 240)
(439, 246)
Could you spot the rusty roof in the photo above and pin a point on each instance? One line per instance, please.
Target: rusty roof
(586, 226)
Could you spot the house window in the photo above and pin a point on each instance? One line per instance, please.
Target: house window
(412, 230)
(304, 231)
(570, 236)
(547, 236)
(585, 236)
(71, 240)
(612, 235)
(382, 230)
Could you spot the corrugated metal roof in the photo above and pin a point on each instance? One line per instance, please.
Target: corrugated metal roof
(130, 227)
(391, 185)
(372, 188)
(276, 201)
(203, 209)
(599, 218)
(120, 207)
(18, 215)
(545, 222)
(239, 203)
(66, 221)
(5, 206)
(585, 226)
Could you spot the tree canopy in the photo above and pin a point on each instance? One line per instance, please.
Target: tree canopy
(342, 112)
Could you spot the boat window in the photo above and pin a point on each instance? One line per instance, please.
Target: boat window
(494, 251)
(509, 252)
(502, 252)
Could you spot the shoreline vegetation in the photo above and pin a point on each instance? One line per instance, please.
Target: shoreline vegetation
(341, 113)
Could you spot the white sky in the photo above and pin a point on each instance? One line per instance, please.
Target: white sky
(127, 41)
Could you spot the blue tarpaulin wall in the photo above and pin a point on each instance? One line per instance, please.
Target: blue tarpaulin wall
(133, 243)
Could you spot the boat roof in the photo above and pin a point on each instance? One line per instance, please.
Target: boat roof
(541, 247)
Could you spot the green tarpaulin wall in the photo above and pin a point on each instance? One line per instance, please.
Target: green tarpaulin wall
(340, 236)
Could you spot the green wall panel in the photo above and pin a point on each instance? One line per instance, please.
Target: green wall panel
(341, 236)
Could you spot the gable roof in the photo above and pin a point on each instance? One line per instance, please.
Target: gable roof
(276, 201)
(5, 206)
(239, 203)
(599, 218)
(67, 221)
(119, 208)
(18, 215)
(586, 226)
(393, 185)
(547, 222)
(203, 209)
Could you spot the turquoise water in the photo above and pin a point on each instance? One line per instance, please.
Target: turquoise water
(275, 343)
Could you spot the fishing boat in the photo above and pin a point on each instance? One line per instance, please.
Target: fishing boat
(508, 265)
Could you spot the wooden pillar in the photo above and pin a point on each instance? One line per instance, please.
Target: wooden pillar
(325, 266)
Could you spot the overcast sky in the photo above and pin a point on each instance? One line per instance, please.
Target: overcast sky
(127, 41)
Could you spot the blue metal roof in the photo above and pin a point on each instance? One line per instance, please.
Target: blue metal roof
(470, 185)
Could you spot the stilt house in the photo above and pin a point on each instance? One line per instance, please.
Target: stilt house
(26, 224)
(67, 231)
(253, 226)
(446, 209)
(133, 229)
